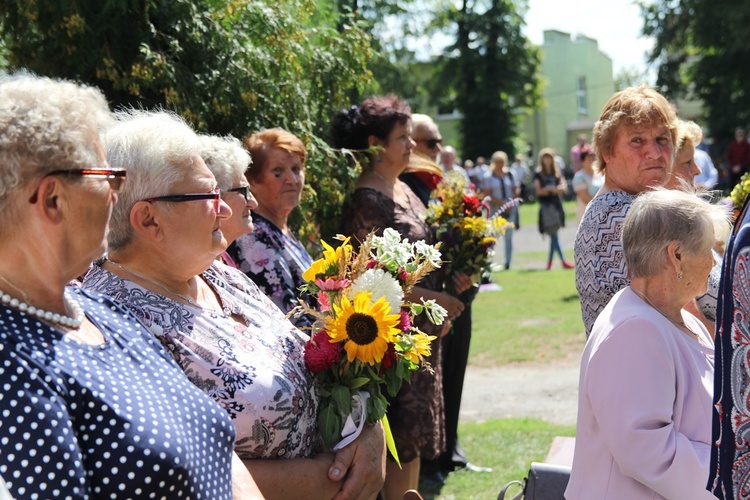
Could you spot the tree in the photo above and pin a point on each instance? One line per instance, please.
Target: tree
(701, 50)
(227, 66)
(492, 68)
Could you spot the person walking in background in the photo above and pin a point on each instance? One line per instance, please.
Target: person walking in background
(549, 185)
(586, 182)
(576, 158)
(738, 156)
(448, 162)
(520, 171)
(501, 187)
(480, 170)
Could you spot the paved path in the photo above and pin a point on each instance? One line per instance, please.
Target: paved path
(549, 392)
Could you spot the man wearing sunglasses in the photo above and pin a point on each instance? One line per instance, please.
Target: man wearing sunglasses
(427, 136)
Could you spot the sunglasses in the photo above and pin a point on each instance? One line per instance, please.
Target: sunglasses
(177, 198)
(243, 190)
(115, 176)
(431, 143)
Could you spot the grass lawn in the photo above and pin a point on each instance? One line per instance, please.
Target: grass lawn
(536, 317)
(508, 446)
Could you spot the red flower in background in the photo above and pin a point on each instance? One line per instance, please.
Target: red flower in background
(471, 205)
(389, 359)
(320, 353)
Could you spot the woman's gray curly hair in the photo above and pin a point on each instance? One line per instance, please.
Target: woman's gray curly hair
(45, 125)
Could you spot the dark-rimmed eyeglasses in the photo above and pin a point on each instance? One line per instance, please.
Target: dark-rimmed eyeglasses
(243, 190)
(114, 176)
(431, 143)
(177, 198)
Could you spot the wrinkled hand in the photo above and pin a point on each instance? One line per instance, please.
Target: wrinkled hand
(462, 282)
(452, 305)
(361, 464)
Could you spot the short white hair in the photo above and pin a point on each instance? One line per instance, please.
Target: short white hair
(226, 158)
(157, 149)
(45, 125)
(661, 216)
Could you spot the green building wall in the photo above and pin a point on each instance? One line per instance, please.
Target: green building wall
(565, 62)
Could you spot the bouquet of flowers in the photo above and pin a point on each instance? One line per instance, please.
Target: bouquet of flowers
(363, 339)
(739, 194)
(465, 228)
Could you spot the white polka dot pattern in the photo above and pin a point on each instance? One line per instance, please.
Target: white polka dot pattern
(118, 420)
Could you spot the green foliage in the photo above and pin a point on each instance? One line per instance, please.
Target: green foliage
(493, 69)
(227, 66)
(701, 47)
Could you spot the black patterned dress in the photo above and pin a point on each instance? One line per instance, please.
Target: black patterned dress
(416, 414)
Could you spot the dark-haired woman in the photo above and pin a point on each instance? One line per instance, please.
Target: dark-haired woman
(380, 129)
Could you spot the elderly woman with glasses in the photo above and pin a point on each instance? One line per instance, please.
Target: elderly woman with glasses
(272, 256)
(228, 337)
(93, 406)
(646, 383)
(228, 161)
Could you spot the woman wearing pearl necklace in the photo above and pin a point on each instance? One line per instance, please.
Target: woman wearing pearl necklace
(646, 384)
(91, 405)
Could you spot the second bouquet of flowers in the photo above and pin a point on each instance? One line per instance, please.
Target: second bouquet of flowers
(363, 341)
(464, 226)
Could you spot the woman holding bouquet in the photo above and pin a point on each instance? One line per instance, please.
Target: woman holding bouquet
(380, 129)
(228, 337)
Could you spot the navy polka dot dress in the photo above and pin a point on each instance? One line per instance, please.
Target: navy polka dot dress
(118, 420)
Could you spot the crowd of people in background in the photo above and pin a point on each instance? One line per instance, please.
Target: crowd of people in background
(149, 275)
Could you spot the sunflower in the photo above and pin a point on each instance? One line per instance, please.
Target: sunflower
(368, 328)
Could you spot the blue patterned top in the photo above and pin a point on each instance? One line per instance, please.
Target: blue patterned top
(275, 262)
(254, 370)
(119, 420)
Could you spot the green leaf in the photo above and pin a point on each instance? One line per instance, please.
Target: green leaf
(329, 423)
(358, 382)
(342, 396)
(389, 442)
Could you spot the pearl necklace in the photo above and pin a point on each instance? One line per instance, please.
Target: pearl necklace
(73, 322)
(166, 288)
(679, 324)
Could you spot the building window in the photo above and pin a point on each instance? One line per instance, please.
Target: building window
(581, 96)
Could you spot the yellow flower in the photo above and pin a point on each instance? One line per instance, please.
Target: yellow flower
(331, 257)
(421, 347)
(367, 328)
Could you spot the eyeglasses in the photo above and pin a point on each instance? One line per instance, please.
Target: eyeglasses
(243, 190)
(115, 176)
(176, 198)
(431, 143)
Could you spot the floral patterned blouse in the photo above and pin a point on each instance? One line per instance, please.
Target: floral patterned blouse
(275, 262)
(255, 372)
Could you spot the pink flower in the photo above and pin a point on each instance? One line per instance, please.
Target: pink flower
(404, 323)
(331, 285)
(324, 302)
(320, 353)
(402, 274)
(371, 263)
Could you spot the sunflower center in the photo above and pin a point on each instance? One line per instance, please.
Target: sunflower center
(361, 328)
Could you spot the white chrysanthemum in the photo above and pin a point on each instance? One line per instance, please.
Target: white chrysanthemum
(380, 284)
(429, 252)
